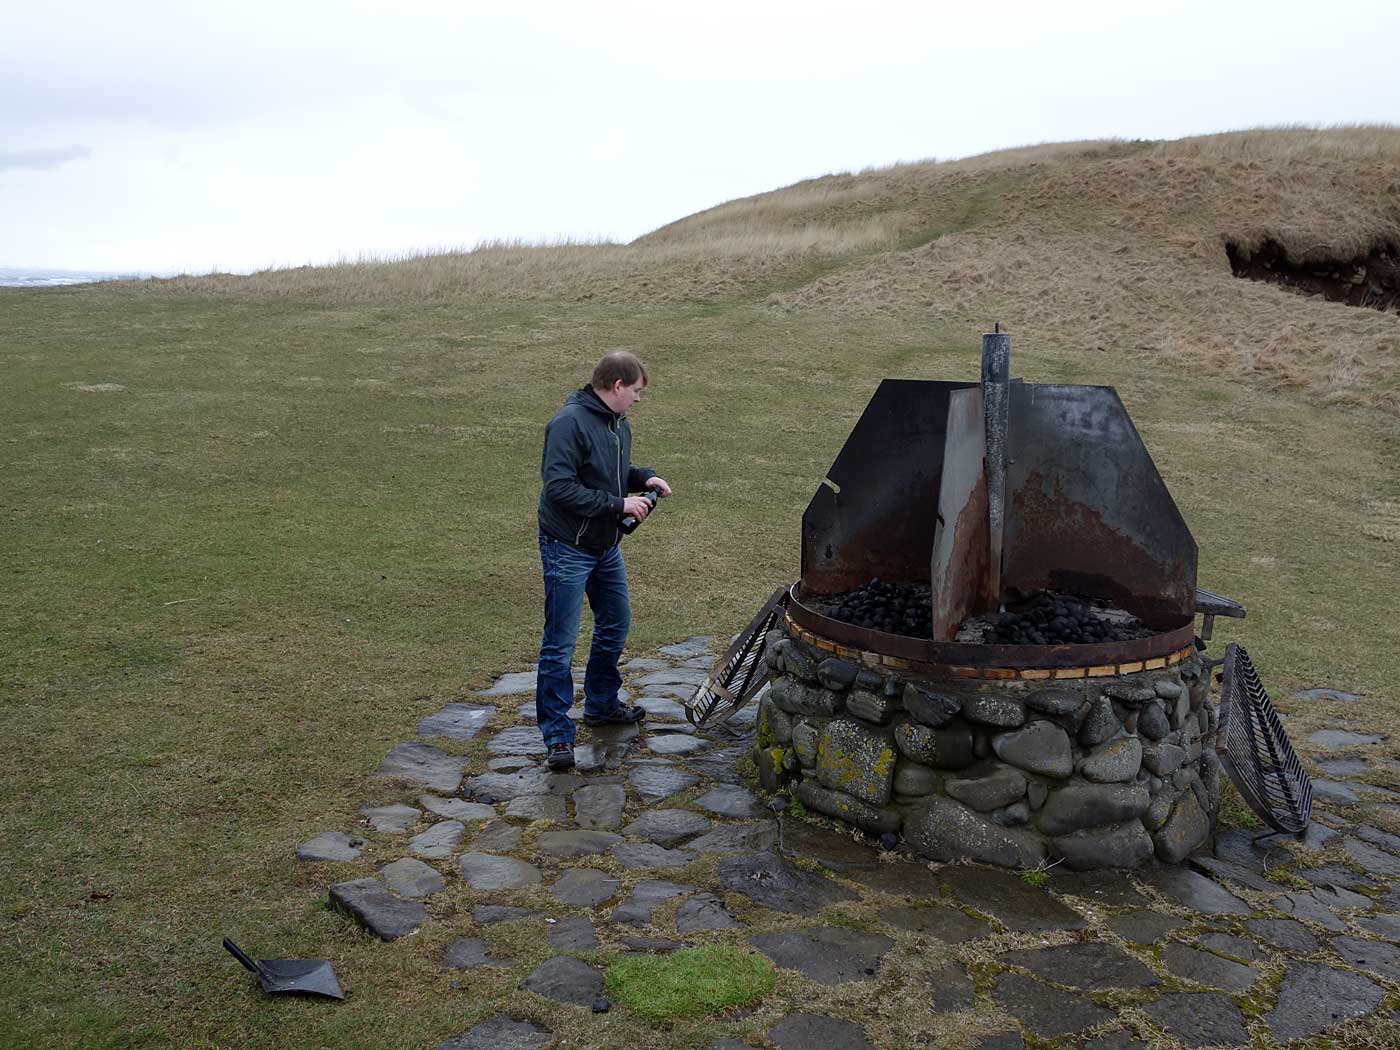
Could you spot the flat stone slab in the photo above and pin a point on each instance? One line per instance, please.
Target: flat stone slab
(1336, 696)
(1376, 861)
(584, 887)
(767, 879)
(642, 901)
(500, 787)
(1306, 906)
(565, 980)
(836, 850)
(675, 744)
(1048, 1012)
(651, 944)
(1199, 1018)
(1224, 870)
(691, 676)
(1346, 766)
(391, 820)
(825, 954)
(899, 878)
(568, 844)
(1335, 792)
(377, 910)
(1195, 891)
(1313, 997)
(573, 933)
(950, 989)
(737, 838)
(805, 1031)
(517, 740)
(1288, 934)
(589, 758)
(496, 837)
(730, 800)
(439, 841)
(646, 663)
(938, 921)
(1015, 904)
(423, 764)
(655, 783)
(553, 808)
(499, 1033)
(695, 645)
(486, 871)
(517, 683)
(456, 809)
(598, 807)
(1387, 926)
(719, 764)
(662, 707)
(704, 911)
(667, 827)
(1376, 956)
(1207, 968)
(1243, 846)
(1228, 944)
(491, 914)
(509, 763)
(412, 878)
(456, 721)
(641, 855)
(1143, 927)
(1336, 739)
(468, 953)
(330, 846)
(1088, 966)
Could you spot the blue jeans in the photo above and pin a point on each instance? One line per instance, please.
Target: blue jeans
(569, 575)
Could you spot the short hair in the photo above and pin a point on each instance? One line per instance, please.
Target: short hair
(615, 365)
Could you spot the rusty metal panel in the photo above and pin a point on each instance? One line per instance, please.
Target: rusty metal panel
(1087, 511)
(960, 573)
(882, 519)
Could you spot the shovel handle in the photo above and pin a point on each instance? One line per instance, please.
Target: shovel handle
(238, 954)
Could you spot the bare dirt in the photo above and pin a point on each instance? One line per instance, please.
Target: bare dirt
(1371, 280)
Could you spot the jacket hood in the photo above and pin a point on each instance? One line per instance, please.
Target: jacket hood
(586, 397)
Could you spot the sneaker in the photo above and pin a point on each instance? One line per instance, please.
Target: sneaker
(560, 757)
(621, 715)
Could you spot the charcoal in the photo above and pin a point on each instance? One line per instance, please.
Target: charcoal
(895, 608)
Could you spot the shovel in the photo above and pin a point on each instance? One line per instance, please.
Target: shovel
(291, 976)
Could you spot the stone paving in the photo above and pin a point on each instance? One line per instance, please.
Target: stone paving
(656, 842)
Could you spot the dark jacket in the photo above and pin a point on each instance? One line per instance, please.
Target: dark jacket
(587, 472)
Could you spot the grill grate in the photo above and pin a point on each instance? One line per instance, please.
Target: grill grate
(1255, 751)
(741, 672)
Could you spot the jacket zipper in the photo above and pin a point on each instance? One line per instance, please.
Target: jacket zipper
(617, 528)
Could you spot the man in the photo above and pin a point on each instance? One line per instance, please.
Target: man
(588, 475)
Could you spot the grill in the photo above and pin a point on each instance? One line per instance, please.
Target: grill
(1255, 750)
(741, 672)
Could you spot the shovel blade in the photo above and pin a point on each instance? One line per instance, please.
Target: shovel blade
(299, 977)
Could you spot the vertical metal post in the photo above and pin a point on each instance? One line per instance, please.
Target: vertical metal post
(996, 408)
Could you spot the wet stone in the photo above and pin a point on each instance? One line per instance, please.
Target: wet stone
(485, 871)
(499, 1033)
(390, 820)
(423, 764)
(539, 807)
(1333, 875)
(695, 645)
(566, 844)
(735, 838)
(330, 846)
(704, 911)
(377, 910)
(1223, 869)
(1329, 695)
(573, 933)
(662, 707)
(803, 1031)
(642, 901)
(945, 830)
(598, 807)
(667, 827)
(938, 921)
(491, 914)
(1288, 934)
(1229, 944)
(1143, 927)
(1017, 905)
(835, 850)
(675, 744)
(467, 953)
(729, 800)
(931, 708)
(584, 887)
(1195, 891)
(412, 878)
(690, 676)
(908, 879)
(1377, 837)
(1125, 845)
(515, 683)
(1335, 896)
(589, 758)
(498, 787)
(565, 980)
(994, 788)
(1377, 956)
(825, 954)
(1374, 860)
(838, 804)
(655, 783)
(767, 879)
(456, 809)
(497, 836)
(1108, 887)
(1041, 747)
(1046, 1011)
(1336, 739)
(719, 764)
(641, 855)
(950, 989)
(1313, 997)
(439, 841)
(1335, 792)
(1245, 847)
(1088, 966)
(1387, 926)
(1347, 766)
(950, 748)
(456, 721)
(1199, 1018)
(517, 740)
(1306, 906)
(1208, 969)
(1079, 805)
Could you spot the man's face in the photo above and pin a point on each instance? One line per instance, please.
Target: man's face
(621, 397)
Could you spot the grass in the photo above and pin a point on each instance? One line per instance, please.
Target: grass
(253, 529)
(690, 982)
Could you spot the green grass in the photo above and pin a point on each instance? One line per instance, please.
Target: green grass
(689, 983)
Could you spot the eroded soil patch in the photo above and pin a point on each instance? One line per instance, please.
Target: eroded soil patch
(1371, 280)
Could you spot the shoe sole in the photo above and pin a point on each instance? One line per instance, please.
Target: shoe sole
(559, 767)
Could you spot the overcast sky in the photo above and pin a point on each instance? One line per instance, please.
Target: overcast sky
(189, 136)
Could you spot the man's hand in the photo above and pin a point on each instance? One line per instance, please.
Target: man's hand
(636, 507)
(660, 485)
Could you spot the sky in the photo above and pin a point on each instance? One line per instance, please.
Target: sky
(189, 137)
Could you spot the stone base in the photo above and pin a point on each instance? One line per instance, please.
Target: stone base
(1093, 772)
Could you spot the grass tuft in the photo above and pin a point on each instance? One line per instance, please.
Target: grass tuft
(690, 982)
